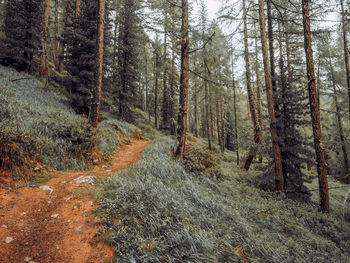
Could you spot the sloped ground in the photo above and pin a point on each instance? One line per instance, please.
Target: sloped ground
(158, 212)
(55, 223)
(39, 127)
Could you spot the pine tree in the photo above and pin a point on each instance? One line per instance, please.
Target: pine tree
(80, 38)
(128, 56)
(22, 27)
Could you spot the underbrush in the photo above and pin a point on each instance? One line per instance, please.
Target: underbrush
(40, 128)
(159, 212)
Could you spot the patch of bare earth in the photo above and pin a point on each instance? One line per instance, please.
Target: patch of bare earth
(57, 225)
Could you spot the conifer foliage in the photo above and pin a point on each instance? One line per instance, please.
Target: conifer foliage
(21, 45)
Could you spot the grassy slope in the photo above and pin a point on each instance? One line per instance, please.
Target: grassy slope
(40, 126)
(158, 212)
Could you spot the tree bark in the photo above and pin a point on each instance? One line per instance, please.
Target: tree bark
(340, 125)
(257, 128)
(77, 8)
(43, 64)
(156, 91)
(270, 102)
(271, 47)
(346, 50)
(235, 113)
(195, 98)
(97, 88)
(55, 48)
(206, 98)
(218, 120)
(182, 115)
(315, 110)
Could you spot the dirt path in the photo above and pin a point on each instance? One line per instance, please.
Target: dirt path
(57, 225)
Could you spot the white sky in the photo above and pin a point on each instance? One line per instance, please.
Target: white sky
(213, 6)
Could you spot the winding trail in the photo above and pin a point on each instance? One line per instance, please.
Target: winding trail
(44, 226)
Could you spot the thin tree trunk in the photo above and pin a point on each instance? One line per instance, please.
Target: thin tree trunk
(195, 97)
(257, 128)
(235, 113)
(270, 102)
(340, 126)
(55, 49)
(172, 82)
(257, 80)
(346, 50)
(222, 126)
(156, 92)
(206, 98)
(43, 64)
(165, 109)
(115, 46)
(315, 110)
(218, 120)
(283, 87)
(182, 115)
(77, 8)
(97, 88)
(271, 47)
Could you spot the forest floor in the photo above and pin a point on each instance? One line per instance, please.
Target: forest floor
(54, 222)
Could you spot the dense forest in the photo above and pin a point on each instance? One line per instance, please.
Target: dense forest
(263, 87)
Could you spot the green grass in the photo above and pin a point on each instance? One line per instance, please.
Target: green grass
(40, 178)
(159, 212)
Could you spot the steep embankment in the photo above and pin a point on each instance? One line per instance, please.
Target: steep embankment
(53, 222)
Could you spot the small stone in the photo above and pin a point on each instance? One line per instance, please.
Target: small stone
(55, 215)
(49, 202)
(69, 198)
(95, 161)
(104, 167)
(4, 226)
(46, 188)
(27, 259)
(8, 240)
(23, 213)
(63, 182)
(37, 169)
(108, 171)
(91, 203)
(79, 228)
(83, 180)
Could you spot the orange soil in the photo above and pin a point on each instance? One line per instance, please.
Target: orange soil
(57, 227)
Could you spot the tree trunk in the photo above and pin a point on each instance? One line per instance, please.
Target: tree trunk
(270, 102)
(182, 115)
(206, 98)
(195, 97)
(271, 47)
(77, 8)
(115, 46)
(315, 110)
(43, 64)
(55, 48)
(156, 91)
(222, 126)
(97, 88)
(218, 120)
(257, 81)
(257, 128)
(165, 107)
(340, 126)
(346, 50)
(235, 113)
